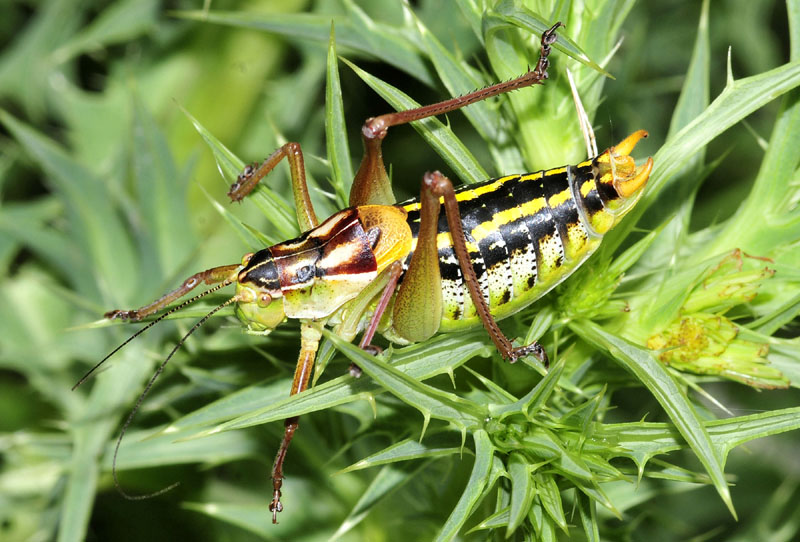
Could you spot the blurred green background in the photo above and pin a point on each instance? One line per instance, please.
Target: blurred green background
(110, 196)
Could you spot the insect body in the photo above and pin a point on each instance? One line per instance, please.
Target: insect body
(524, 234)
(408, 271)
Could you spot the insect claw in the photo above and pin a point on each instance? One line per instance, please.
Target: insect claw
(550, 37)
(123, 314)
(534, 348)
(275, 506)
(372, 349)
(355, 371)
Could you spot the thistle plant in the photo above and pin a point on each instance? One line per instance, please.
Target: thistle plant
(125, 124)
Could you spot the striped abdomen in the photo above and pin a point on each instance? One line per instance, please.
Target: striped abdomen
(525, 234)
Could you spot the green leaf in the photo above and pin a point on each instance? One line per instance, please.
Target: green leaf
(27, 224)
(535, 399)
(587, 512)
(161, 197)
(478, 478)
(727, 434)
(440, 355)
(695, 94)
(138, 452)
(336, 128)
(121, 21)
(550, 496)
(27, 63)
(653, 375)
(251, 237)
(254, 517)
(388, 480)
(99, 230)
(430, 401)
(737, 100)
(79, 493)
(641, 441)
(522, 490)
(409, 449)
(498, 520)
(370, 39)
(541, 522)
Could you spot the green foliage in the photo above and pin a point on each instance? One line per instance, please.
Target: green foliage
(115, 116)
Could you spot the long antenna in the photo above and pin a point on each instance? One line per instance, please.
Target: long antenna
(147, 389)
(148, 326)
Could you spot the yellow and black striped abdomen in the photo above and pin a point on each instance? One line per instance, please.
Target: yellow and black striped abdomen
(525, 234)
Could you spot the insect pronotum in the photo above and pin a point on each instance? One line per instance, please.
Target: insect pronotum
(500, 246)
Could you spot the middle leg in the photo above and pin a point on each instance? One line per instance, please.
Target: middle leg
(440, 186)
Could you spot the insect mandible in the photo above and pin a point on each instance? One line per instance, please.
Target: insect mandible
(409, 271)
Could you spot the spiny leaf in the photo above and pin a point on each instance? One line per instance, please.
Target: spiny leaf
(682, 413)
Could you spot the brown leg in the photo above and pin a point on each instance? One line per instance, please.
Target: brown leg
(252, 174)
(310, 337)
(371, 184)
(383, 287)
(209, 276)
(439, 185)
(395, 270)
